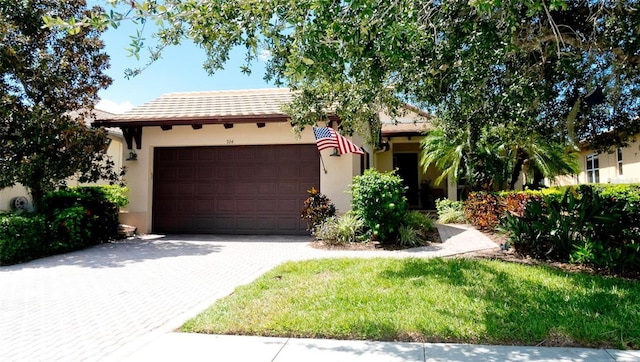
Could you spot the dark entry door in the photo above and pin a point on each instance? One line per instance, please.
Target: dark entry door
(407, 165)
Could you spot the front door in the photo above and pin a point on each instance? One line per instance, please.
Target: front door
(407, 165)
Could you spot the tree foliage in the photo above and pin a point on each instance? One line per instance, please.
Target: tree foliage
(563, 70)
(48, 86)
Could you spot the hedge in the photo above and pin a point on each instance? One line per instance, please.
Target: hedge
(70, 219)
(597, 225)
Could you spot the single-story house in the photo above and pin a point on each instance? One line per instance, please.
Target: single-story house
(115, 151)
(229, 162)
(620, 166)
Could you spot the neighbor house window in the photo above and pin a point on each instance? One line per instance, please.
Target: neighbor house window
(619, 161)
(593, 168)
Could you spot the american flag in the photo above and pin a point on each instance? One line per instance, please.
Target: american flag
(327, 137)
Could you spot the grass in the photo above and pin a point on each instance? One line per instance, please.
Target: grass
(435, 300)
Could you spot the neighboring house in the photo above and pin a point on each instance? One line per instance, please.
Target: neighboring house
(115, 150)
(622, 165)
(229, 162)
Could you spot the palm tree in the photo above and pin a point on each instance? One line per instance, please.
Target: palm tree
(487, 164)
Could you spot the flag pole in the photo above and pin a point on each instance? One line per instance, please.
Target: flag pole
(322, 161)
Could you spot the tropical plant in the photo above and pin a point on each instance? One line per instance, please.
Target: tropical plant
(340, 230)
(419, 221)
(585, 225)
(317, 208)
(450, 212)
(500, 155)
(409, 236)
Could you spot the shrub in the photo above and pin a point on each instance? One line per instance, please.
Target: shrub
(69, 219)
(99, 202)
(340, 230)
(484, 209)
(317, 208)
(450, 212)
(23, 237)
(419, 221)
(379, 199)
(409, 236)
(115, 194)
(587, 225)
(71, 229)
(414, 229)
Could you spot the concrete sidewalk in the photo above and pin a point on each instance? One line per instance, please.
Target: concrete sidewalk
(199, 347)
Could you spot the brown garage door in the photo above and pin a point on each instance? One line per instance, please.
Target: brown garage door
(233, 190)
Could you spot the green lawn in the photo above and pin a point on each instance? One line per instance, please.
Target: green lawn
(436, 300)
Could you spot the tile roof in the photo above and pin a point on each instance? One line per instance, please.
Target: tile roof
(209, 106)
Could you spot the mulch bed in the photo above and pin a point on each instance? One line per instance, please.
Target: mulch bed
(432, 237)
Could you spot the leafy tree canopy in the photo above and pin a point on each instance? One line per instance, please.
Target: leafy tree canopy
(477, 62)
(48, 84)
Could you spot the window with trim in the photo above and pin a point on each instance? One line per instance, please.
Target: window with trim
(593, 168)
(619, 161)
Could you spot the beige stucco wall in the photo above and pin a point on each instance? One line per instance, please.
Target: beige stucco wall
(115, 151)
(609, 166)
(139, 177)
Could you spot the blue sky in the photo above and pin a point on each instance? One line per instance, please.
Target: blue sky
(179, 70)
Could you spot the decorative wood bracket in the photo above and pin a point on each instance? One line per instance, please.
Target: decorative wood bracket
(132, 134)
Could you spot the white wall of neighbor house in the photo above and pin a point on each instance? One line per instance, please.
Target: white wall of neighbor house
(612, 167)
(139, 177)
(7, 194)
(115, 151)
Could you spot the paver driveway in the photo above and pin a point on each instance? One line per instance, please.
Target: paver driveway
(97, 303)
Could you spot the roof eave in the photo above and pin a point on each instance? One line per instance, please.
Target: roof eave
(188, 121)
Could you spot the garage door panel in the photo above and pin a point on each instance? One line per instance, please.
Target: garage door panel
(245, 206)
(291, 188)
(223, 172)
(205, 172)
(237, 189)
(264, 205)
(288, 173)
(288, 223)
(226, 205)
(285, 205)
(186, 155)
(267, 173)
(267, 188)
(245, 224)
(225, 223)
(244, 189)
(225, 189)
(205, 190)
(246, 172)
(204, 206)
(203, 154)
(166, 173)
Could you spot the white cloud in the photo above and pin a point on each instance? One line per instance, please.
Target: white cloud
(265, 55)
(113, 107)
